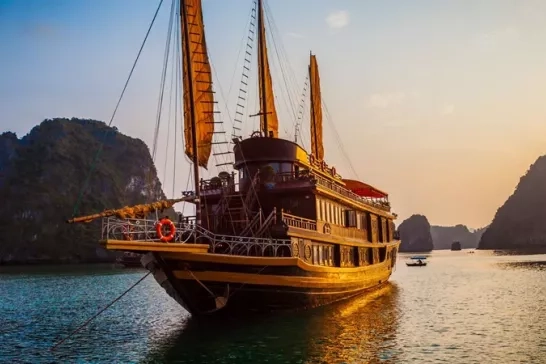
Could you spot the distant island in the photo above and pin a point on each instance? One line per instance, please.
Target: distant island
(444, 236)
(520, 224)
(41, 176)
(456, 245)
(415, 235)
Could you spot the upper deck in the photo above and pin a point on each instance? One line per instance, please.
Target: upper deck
(282, 164)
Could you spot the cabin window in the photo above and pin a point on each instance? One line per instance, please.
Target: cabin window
(382, 254)
(350, 218)
(315, 255)
(363, 221)
(322, 210)
(285, 168)
(370, 255)
(321, 255)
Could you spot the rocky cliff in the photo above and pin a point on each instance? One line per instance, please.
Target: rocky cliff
(415, 234)
(443, 236)
(521, 222)
(41, 176)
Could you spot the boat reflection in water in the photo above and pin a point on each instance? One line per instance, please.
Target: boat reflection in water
(360, 330)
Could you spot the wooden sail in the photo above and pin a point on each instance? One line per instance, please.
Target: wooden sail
(269, 122)
(317, 148)
(197, 78)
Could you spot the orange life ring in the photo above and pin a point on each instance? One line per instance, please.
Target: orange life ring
(159, 231)
(334, 171)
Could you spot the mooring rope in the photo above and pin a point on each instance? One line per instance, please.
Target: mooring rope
(98, 313)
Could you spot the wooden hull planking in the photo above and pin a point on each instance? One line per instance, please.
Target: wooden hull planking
(206, 284)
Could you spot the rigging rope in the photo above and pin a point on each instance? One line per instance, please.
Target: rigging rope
(94, 163)
(98, 313)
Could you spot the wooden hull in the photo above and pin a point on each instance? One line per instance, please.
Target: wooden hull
(211, 284)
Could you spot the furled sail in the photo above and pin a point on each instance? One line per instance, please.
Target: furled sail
(198, 95)
(268, 114)
(131, 212)
(317, 148)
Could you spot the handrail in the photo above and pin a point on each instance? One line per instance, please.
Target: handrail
(298, 222)
(144, 230)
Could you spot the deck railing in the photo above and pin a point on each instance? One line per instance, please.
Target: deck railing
(230, 186)
(375, 202)
(188, 232)
(299, 222)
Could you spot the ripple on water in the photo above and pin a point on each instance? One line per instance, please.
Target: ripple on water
(459, 309)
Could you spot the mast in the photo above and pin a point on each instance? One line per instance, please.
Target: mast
(261, 52)
(198, 101)
(317, 148)
(269, 122)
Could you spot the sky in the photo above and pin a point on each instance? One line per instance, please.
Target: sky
(439, 103)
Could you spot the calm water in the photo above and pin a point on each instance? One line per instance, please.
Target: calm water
(461, 308)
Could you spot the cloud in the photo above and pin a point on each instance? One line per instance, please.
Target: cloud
(338, 19)
(384, 100)
(496, 37)
(295, 35)
(447, 109)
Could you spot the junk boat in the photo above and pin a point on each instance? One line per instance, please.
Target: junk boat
(281, 231)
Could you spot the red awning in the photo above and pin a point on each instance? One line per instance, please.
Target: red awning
(363, 189)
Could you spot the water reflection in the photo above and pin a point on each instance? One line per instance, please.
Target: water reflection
(356, 331)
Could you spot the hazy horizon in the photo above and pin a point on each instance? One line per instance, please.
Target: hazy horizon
(437, 103)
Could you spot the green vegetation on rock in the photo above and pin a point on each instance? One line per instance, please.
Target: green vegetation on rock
(41, 176)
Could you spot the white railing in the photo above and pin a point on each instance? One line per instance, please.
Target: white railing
(187, 232)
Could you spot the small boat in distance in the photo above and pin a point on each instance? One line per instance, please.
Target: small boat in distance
(417, 261)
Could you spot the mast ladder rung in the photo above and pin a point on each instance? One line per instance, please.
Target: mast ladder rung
(241, 90)
(223, 153)
(214, 122)
(241, 97)
(224, 164)
(211, 112)
(236, 128)
(240, 113)
(217, 143)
